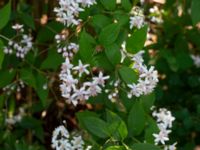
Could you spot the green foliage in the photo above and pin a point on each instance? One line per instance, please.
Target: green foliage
(136, 41)
(195, 11)
(5, 13)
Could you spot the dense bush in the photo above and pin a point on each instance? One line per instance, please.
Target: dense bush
(73, 74)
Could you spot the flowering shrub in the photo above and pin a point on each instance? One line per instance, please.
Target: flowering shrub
(84, 75)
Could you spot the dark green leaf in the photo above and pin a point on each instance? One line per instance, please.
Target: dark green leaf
(42, 89)
(1, 53)
(113, 54)
(145, 147)
(109, 4)
(53, 60)
(136, 41)
(48, 32)
(195, 10)
(5, 15)
(128, 75)
(86, 44)
(109, 34)
(6, 77)
(96, 126)
(126, 4)
(136, 119)
(27, 76)
(28, 20)
(148, 101)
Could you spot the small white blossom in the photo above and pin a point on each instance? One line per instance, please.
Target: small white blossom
(81, 68)
(136, 21)
(196, 59)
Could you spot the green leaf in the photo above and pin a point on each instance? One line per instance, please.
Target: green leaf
(113, 54)
(42, 92)
(6, 77)
(109, 34)
(1, 53)
(136, 119)
(126, 4)
(100, 21)
(117, 126)
(128, 75)
(150, 129)
(27, 76)
(136, 41)
(102, 61)
(53, 60)
(146, 146)
(81, 115)
(48, 32)
(116, 148)
(27, 19)
(109, 4)
(96, 126)
(86, 49)
(195, 9)
(5, 15)
(147, 101)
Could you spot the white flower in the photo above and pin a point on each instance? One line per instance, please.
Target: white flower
(93, 88)
(81, 68)
(17, 26)
(100, 79)
(136, 21)
(160, 137)
(196, 59)
(77, 142)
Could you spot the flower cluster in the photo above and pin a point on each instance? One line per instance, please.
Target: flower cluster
(72, 89)
(155, 15)
(137, 18)
(17, 118)
(67, 51)
(196, 59)
(164, 120)
(22, 45)
(148, 78)
(68, 10)
(114, 91)
(18, 85)
(62, 140)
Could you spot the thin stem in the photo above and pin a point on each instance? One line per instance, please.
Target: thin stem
(2, 36)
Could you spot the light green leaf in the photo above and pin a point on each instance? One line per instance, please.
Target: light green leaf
(116, 148)
(109, 34)
(128, 75)
(195, 11)
(117, 126)
(136, 119)
(5, 15)
(136, 41)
